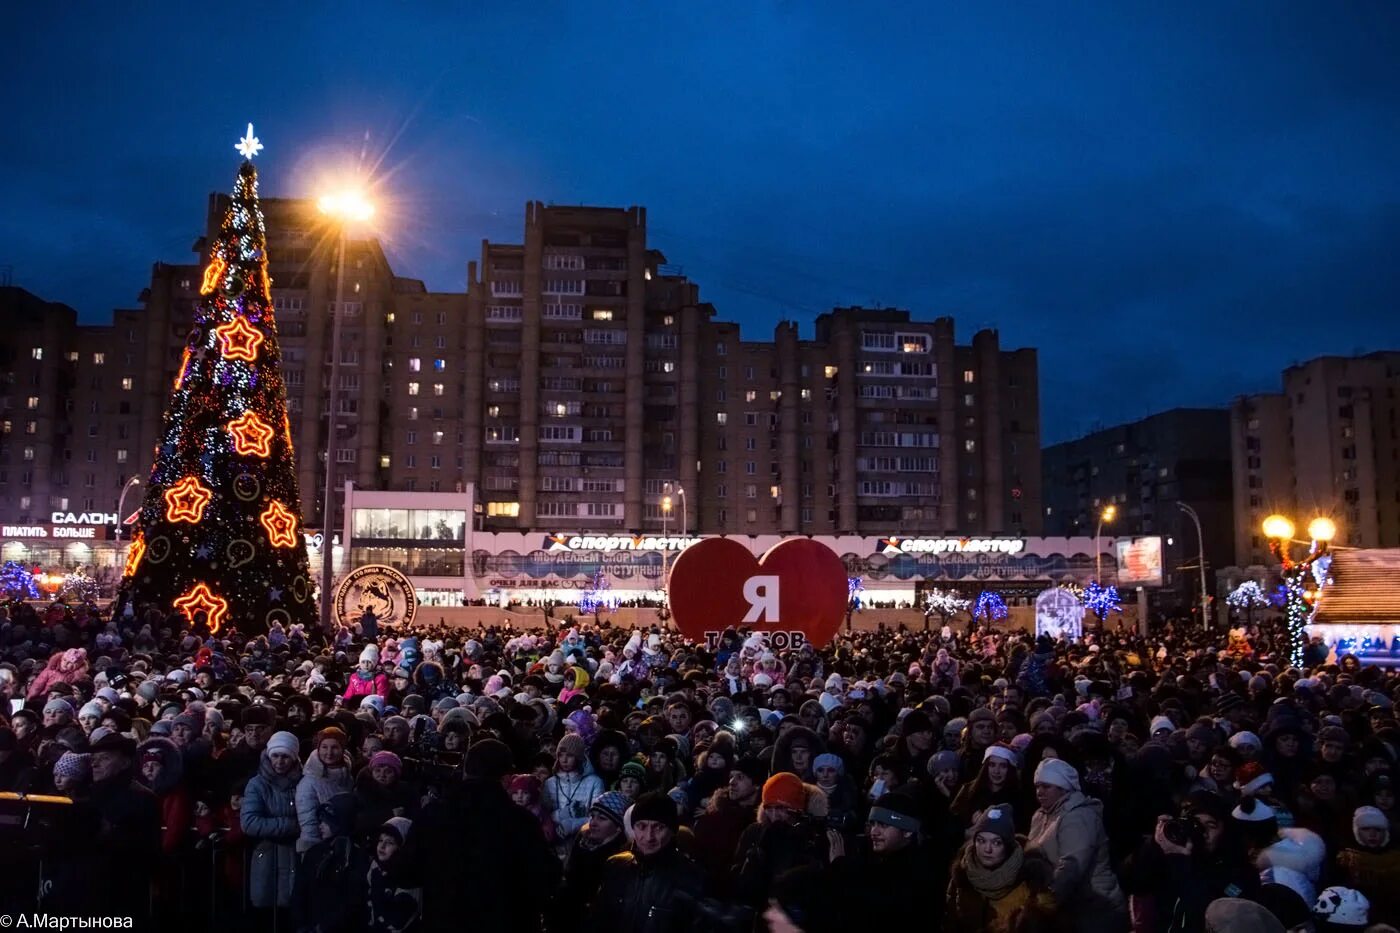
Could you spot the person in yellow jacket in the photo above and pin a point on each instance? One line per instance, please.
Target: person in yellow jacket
(995, 884)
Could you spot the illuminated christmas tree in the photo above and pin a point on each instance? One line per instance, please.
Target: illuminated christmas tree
(220, 529)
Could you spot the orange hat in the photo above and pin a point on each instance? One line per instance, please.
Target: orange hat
(784, 789)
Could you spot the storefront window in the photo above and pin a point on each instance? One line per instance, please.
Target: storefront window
(415, 561)
(411, 524)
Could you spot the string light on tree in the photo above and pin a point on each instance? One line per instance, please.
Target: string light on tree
(1101, 600)
(945, 604)
(185, 501)
(598, 597)
(990, 607)
(1246, 598)
(854, 587)
(17, 581)
(251, 435)
(1300, 586)
(219, 531)
(202, 600)
(77, 587)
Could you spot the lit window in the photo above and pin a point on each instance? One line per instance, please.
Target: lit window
(968, 376)
(413, 388)
(493, 411)
(668, 320)
(829, 371)
(602, 314)
(126, 383)
(437, 437)
(384, 461)
(969, 446)
(37, 353)
(413, 413)
(503, 509)
(31, 427)
(806, 395)
(121, 455)
(722, 417)
(414, 364)
(72, 356)
(99, 358)
(437, 388)
(32, 402)
(440, 365)
(750, 395)
(29, 453)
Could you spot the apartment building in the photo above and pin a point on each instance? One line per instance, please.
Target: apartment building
(1144, 469)
(1328, 444)
(579, 382)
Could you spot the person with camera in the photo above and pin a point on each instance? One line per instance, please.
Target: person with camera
(1187, 863)
(790, 834)
(884, 880)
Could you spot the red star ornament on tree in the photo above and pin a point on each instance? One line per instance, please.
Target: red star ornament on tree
(251, 435)
(280, 525)
(202, 599)
(239, 340)
(185, 501)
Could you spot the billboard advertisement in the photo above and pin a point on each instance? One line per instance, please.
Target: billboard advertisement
(1139, 561)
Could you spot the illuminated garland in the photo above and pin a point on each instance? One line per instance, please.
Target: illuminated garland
(280, 525)
(78, 586)
(990, 607)
(239, 340)
(201, 599)
(251, 435)
(185, 501)
(17, 580)
(134, 555)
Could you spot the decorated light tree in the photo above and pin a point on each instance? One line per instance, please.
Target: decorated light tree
(990, 607)
(1101, 601)
(1246, 598)
(598, 597)
(945, 604)
(17, 581)
(78, 587)
(219, 536)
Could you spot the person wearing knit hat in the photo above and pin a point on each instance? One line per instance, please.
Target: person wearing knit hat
(71, 773)
(571, 789)
(783, 791)
(656, 808)
(1251, 780)
(611, 805)
(1247, 744)
(57, 712)
(1370, 865)
(990, 887)
(1339, 908)
(1068, 831)
(283, 743)
(387, 761)
(1160, 726)
(632, 779)
(90, 715)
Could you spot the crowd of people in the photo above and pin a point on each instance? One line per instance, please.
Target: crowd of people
(584, 777)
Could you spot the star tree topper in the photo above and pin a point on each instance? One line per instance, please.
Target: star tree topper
(249, 145)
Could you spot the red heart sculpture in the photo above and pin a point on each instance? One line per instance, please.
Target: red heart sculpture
(706, 588)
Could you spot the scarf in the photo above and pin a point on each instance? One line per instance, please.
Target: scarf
(994, 883)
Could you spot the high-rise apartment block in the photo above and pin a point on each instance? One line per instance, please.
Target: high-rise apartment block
(1328, 444)
(577, 382)
(1143, 470)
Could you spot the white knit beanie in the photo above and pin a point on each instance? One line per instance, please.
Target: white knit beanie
(1057, 773)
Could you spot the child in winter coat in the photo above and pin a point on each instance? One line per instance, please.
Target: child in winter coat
(392, 907)
(367, 678)
(332, 883)
(573, 787)
(527, 792)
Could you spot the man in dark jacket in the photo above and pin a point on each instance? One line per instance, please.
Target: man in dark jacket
(129, 837)
(474, 833)
(600, 839)
(877, 889)
(651, 888)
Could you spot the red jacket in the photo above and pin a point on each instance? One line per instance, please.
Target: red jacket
(362, 686)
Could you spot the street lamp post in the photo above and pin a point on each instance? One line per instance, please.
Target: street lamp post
(345, 208)
(1201, 558)
(121, 502)
(1279, 530)
(1107, 515)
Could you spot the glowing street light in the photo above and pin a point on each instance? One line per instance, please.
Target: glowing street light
(345, 208)
(1109, 513)
(1278, 528)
